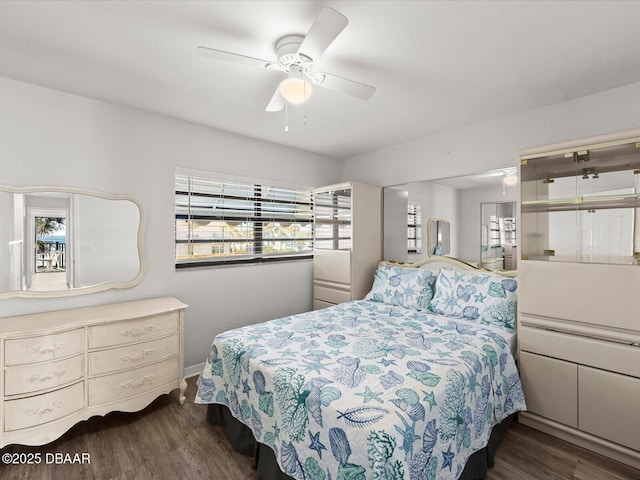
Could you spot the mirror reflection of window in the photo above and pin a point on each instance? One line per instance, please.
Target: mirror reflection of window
(414, 227)
(50, 253)
(498, 235)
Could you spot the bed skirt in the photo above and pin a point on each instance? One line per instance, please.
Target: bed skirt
(267, 468)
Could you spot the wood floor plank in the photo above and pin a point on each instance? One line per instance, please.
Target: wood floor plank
(167, 440)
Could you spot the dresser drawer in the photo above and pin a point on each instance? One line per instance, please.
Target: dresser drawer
(31, 378)
(130, 356)
(42, 348)
(31, 411)
(134, 330)
(118, 386)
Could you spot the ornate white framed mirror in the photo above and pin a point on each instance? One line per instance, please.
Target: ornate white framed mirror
(59, 241)
(439, 237)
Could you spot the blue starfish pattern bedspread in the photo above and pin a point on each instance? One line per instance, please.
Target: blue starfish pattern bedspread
(366, 390)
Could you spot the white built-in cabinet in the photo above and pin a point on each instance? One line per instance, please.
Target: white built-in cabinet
(347, 243)
(61, 367)
(579, 280)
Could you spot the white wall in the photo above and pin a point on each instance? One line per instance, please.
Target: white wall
(49, 137)
(495, 144)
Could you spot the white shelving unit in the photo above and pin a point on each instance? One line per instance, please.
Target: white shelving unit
(347, 243)
(578, 329)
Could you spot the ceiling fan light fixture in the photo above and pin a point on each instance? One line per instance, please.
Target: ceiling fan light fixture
(295, 90)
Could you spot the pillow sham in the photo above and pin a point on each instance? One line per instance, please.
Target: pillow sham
(485, 298)
(407, 287)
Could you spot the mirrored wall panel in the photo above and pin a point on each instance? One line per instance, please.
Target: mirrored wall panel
(458, 201)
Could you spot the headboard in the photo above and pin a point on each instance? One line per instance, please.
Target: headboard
(450, 262)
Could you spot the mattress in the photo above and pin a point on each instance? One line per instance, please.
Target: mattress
(366, 389)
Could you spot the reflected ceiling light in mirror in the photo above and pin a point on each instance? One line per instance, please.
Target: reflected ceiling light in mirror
(510, 178)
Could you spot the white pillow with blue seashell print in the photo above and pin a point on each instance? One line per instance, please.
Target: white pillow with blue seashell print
(407, 287)
(484, 298)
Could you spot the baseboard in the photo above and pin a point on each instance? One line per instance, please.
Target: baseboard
(193, 370)
(585, 440)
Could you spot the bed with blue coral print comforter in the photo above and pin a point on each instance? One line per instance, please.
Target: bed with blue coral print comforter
(366, 390)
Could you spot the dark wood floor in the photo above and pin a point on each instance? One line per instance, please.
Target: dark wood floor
(170, 441)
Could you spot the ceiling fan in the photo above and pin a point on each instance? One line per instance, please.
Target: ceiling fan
(296, 56)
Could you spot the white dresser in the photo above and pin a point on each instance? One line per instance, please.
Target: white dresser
(65, 366)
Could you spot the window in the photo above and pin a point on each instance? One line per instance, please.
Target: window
(414, 228)
(232, 222)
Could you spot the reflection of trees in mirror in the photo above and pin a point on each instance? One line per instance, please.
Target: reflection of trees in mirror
(45, 227)
(50, 248)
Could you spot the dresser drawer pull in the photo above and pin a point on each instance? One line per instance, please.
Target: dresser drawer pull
(137, 331)
(39, 378)
(49, 349)
(44, 410)
(139, 382)
(136, 357)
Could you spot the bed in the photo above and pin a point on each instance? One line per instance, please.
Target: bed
(416, 381)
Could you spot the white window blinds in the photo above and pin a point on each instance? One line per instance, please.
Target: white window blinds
(221, 222)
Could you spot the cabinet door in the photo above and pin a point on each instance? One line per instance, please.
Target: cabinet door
(332, 266)
(608, 405)
(550, 387)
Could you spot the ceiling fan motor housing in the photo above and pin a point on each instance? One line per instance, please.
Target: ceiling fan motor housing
(287, 52)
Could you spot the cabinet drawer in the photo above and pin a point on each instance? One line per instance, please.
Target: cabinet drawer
(608, 406)
(31, 378)
(39, 409)
(118, 386)
(319, 304)
(42, 348)
(550, 387)
(331, 295)
(612, 356)
(129, 356)
(134, 330)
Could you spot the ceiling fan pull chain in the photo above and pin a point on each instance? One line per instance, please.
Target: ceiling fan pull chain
(304, 119)
(286, 116)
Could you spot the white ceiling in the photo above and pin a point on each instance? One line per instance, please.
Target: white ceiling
(437, 65)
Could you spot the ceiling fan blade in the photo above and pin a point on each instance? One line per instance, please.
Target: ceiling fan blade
(326, 27)
(346, 86)
(232, 57)
(277, 102)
